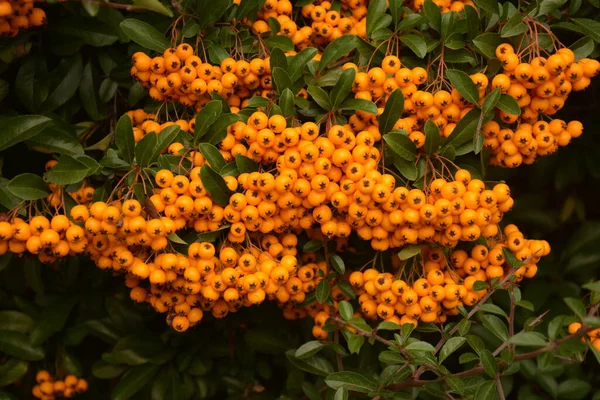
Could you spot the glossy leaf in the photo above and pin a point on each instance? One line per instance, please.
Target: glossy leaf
(133, 381)
(144, 34)
(23, 127)
(212, 155)
(215, 185)
(392, 112)
(342, 88)
(401, 144)
(465, 86)
(28, 187)
(17, 345)
(351, 380)
(124, 138)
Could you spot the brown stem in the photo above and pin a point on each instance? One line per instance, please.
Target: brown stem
(585, 328)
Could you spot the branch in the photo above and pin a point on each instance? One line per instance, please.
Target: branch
(585, 328)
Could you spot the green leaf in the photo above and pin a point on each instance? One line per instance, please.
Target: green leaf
(353, 381)
(525, 304)
(347, 289)
(455, 383)
(433, 14)
(58, 138)
(149, 148)
(338, 264)
(486, 391)
(490, 6)
(487, 43)
(346, 310)
(52, 319)
(279, 42)
(144, 34)
(245, 164)
(124, 138)
(432, 137)
(91, 7)
(316, 364)
(323, 290)
(31, 83)
(133, 381)
(401, 144)
(510, 258)
(28, 187)
(206, 117)
(320, 96)
(91, 97)
(408, 169)
(583, 47)
(576, 306)
(103, 370)
(23, 127)
(496, 326)
(355, 342)
(468, 357)
(343, 87)
(215, 186)
(32, 270)
(336, 49)
(309, 349)
(396, 12)
(297, 64)
(16, 321)
(278, 58)
(281, 79)
(574, 389)
(409, 252)
(68, 171)
(509, 105)
(492, 308)
(375, 11)
(450, 347)
(71, 364)
(465, 86)
(17, 345)
(465, 130)
(392, 112)
(547, 6)
(11, 371)
(341, 394)
(420, 346)
(154, 5)
(489, 363)
(312, 246)
(589, 26)
(515, 26)
(212, 155)
(490, 101)
(416, 44)
(359, 105)
(218, 130)
(533, 339)
(69, 71)
(286, 103)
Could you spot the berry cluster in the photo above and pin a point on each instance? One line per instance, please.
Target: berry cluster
(49, 389)
(322, 23)
(443, 286)
(18, 15)
(540, 88)
(179, 75)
